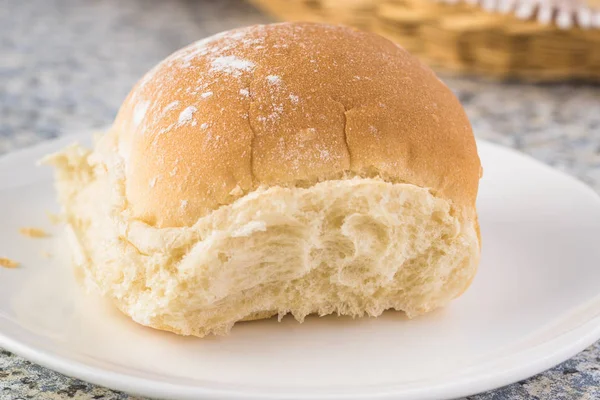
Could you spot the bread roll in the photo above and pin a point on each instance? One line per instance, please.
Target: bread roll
(288, 168)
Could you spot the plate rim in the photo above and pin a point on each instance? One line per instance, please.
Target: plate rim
(576, 341)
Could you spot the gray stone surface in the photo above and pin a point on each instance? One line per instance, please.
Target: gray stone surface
(67, 64)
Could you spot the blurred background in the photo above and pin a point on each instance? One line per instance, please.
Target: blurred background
(526, 71)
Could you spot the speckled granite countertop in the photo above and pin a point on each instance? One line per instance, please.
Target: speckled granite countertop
(67, 64)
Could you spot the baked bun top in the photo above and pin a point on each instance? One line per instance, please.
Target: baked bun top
(288, 104)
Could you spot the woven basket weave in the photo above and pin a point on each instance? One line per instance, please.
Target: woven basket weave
(461, 38)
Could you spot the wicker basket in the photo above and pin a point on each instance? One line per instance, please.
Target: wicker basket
(461, 38)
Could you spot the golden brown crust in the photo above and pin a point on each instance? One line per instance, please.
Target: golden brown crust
(288, 104)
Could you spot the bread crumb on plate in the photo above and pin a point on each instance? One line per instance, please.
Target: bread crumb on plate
(8, 263)
(33, 232)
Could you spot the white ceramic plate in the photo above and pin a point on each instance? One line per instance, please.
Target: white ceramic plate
(534, 303)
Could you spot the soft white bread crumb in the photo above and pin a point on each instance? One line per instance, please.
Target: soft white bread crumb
(352, 247)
